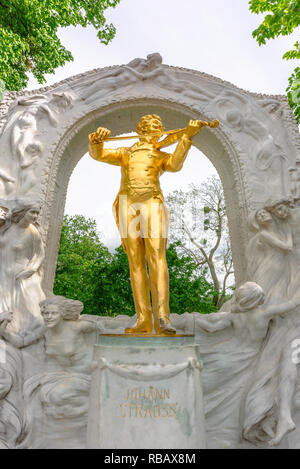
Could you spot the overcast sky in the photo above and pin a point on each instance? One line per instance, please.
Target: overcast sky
(212, 37)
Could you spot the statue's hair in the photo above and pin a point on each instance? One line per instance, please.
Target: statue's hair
(156, 56)
(69, 309)
(248, 296)
(143, 123)
(67, 97)
(19, 213)
(272, 204)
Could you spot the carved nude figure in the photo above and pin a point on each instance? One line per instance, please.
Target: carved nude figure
(268, 255)
(25, 147)
(250, 321)
(63, 331)
(61, 389)
(268, 156)
(141, 70)
(22, 256)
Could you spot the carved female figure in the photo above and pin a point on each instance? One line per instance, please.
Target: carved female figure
(22, 256)
(61, 391)
(25, 147)
(268, 157)
(139, 70)
(276, 383)
(65, 332)
(268, 254)
(250, 321)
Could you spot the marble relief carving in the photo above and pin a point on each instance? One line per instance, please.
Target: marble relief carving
(251, 384)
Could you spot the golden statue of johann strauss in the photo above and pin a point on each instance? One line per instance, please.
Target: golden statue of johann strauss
(141, 214)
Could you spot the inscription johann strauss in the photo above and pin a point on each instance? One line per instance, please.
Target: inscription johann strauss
(148, 402)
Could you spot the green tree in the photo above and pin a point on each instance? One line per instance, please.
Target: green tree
(114, 295)
(87, 271)
(29, 40)
(282, 19)
(189, 291)
(80, 259)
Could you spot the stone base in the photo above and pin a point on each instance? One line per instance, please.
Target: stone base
(146, 393)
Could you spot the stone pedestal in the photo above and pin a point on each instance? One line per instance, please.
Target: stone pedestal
(146, 393)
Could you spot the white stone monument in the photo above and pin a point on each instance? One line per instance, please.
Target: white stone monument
(250, 351)
(146, 392)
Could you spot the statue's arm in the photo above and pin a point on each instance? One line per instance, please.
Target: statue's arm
(174, 162)
(143, 76)
(274, 241)
(86, 326)
(214, 321)
(98, 153)
(19, 341)
(283, 308)
(14, 339)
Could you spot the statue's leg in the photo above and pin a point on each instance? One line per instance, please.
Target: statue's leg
(135, 249)
(155, 245)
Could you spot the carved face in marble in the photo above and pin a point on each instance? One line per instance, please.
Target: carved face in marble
(281, 211)
(153, 60)
(31, 215)
(263, 217)
(51, 315)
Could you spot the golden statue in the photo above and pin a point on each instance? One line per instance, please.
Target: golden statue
(141, 214)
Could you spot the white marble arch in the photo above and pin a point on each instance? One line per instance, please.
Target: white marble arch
(44, 133)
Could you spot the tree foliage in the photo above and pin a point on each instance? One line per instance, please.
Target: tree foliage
(80, 256)
(87, 271)
(29, 39)
(199, 222)
(282, 19)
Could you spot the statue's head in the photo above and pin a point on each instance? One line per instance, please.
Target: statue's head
(280, 208)
(247, 297)
(263, 217)
(62, 100)
(154, 59)
(259, 218)
(57, 308)
(28, 213)
(150, 124)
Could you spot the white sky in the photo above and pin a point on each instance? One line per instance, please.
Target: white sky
(212, 37)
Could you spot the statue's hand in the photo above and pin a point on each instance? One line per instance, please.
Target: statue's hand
(100, 135)
(193, 128)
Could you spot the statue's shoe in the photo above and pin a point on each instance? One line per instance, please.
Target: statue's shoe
(139, 328)
(166, 328)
